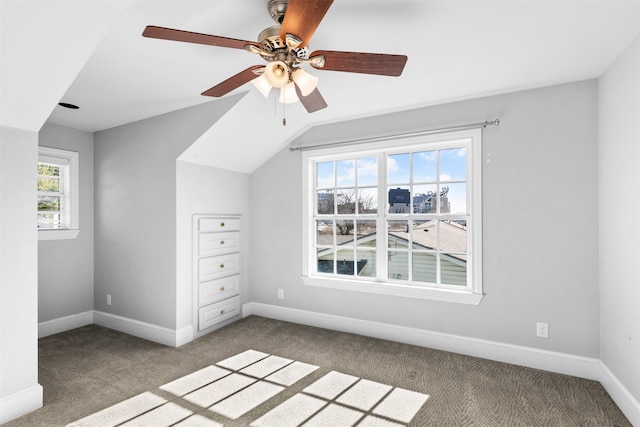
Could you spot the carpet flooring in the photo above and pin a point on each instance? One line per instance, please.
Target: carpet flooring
(264, 372)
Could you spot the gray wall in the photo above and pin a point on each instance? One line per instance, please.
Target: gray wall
(65, 267)
(18, 274)
(540, 223)
(135, 211)
(619, 202)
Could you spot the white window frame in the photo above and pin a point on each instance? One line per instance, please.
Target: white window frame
(71, 160)
(472, 293)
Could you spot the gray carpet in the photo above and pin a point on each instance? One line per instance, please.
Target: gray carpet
(91, 368)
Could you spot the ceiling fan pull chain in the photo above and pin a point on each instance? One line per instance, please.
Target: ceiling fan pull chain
(284, 113)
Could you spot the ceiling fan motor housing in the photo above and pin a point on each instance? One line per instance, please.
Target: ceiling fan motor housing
(270, 39)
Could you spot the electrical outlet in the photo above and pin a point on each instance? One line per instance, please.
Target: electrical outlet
(542, 330)
(280, 293)
(108, 299)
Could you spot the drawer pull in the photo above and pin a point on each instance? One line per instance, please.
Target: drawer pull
(221, 311)
(221, 265)
(222, 224)
(222, 289)
(222, 242)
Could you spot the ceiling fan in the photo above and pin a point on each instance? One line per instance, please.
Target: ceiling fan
(284, 47)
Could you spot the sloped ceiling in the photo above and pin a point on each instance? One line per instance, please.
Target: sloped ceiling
(91, 53)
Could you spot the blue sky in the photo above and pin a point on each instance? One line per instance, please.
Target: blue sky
(425, 168)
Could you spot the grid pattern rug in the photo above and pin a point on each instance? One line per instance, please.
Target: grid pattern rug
(245, 381)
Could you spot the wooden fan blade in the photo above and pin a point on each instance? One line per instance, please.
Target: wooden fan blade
(357, 62)
(190, 37)
(302, 18)
(233, 82)
(312, 102)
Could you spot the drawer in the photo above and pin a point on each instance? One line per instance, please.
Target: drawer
(218, 243)
(218, 224)
(217, 290)
(216, 267)
(218, 312)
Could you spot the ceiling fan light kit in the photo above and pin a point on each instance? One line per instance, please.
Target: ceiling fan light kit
(262, 84)
(284, 47)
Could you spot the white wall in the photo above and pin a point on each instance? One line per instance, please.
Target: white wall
(135, 211)
(65, 267)
(619, 210)
(540, 223)
(206, 190)
(19, 389)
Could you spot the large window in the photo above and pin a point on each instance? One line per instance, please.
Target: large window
(57, 207)
(398, 218)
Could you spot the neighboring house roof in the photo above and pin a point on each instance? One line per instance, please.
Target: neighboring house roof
(453, 237)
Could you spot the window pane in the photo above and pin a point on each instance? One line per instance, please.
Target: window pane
(346, 201)
(453, 164)
(367, 200)
(48, 203)
(48, 170)
(367, 171)
(344, 232)
(324, 232)
(344, 262)
(49, 184)
(399, 200)
(398, 169)
(325, 261)
(453, 236)
(325, 202)
(424, 198)
(398, 234)
(424, 235)
(346, 176)
(398, 265)
(425, 166)
(367, 264)
(325, 175)
(366, 233)
(453, 270)
(424, 267)
(453, 198)
(49, 220)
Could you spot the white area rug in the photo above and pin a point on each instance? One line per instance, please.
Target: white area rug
(241, 383)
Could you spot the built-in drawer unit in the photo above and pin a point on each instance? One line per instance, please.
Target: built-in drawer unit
(219, 312)
(217, 290)
(217, 278)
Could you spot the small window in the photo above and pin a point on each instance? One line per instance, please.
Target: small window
(58, 194)
(399, 218)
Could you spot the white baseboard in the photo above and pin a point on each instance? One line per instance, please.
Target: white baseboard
(66, 323)
(140, 329)
(20, 403)
(568, 364)
(621, 395)
(184, 335)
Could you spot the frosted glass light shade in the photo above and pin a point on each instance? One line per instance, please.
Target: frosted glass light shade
(262, 84)
(277, 74)
(305, 81)
(288, 94)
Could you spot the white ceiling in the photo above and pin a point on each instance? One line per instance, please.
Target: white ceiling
(91, 53)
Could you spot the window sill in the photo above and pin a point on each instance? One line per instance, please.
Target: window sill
(446, 295)
(58, 234)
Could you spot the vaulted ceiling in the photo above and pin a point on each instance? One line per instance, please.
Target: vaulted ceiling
(91, 53)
